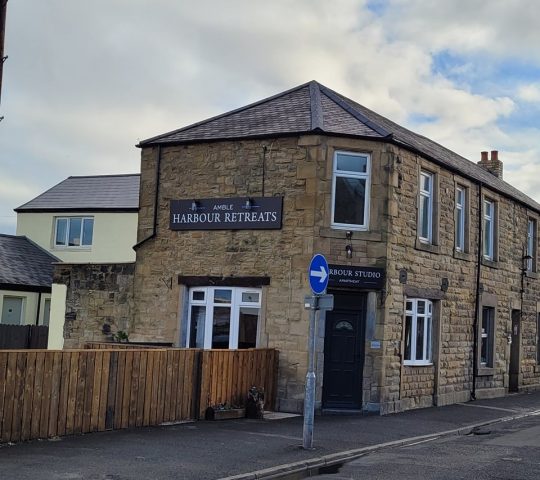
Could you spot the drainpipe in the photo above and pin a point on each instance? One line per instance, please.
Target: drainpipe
(477, 303)
(156, 200)
(38, 307)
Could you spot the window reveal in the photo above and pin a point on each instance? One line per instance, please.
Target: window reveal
(350, 190)
(487, 337)
(489, 229)
(73, 232)
(418, 332)
(425, 210)
(460, 219)
(222, 317)
(531, 243)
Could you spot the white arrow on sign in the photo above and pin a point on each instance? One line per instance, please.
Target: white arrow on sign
(322, 274)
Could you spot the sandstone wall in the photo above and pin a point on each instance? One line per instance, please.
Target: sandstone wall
(450, 378)
(97, 294)
(300, 170)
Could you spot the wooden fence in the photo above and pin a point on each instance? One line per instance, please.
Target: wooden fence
(227, 375)
(47, 393)
(23, 336)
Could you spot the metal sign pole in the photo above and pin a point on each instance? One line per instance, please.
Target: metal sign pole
(318, 274)
(309, 400)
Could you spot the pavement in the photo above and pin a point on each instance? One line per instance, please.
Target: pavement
(247, 449)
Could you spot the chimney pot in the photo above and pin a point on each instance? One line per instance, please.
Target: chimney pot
(494, 155)
(484, 156)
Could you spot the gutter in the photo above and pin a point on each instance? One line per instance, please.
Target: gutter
(156, 200)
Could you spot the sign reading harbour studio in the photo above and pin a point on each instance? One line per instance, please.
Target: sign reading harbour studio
(244, 213)
(356, 277)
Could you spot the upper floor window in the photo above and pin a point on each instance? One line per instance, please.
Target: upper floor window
(73, 232)
(461, 211)
(425, 211)
(223, 317)
(489, 229)
(418, 332)
(531, 245)
(350, 190)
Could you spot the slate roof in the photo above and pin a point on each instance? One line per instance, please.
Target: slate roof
(88, 194)
(24, 264)
(312, 108)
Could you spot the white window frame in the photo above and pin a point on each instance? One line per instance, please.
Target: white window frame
(348, 174)
(461, 209)
(427, 347)
(235, 305)
(531, 241)
(489, 225)
(429, 195)
(487, 336)
(66, 238)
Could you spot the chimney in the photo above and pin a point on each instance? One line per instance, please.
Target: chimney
(493, 165)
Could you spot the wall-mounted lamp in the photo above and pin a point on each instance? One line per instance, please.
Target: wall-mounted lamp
(526, 262)
(194, 205)
(106, 329)
(348, 247)
(249, 204)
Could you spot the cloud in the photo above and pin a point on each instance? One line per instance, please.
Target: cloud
(85, 81)
(529, 93)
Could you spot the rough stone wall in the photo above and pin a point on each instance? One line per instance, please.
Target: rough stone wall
(97, 294)
(300, 170)
(450, 378)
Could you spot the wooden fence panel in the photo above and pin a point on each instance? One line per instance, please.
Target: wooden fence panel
(227, 375)
(46, 393)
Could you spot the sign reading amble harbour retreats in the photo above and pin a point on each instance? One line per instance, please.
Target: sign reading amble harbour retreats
(356, 277)
(244, 213)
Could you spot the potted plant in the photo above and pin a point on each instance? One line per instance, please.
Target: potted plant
(255, 403)
(224, 411)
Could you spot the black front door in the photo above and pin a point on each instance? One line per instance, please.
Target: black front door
(514, 352)
(344, 352)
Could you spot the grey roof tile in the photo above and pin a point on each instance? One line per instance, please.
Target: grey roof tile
(89, 193)
(314, 108)
(23, 263)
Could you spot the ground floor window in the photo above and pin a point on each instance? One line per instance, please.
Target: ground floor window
(487, 336)
(418, 332)
(223, 317)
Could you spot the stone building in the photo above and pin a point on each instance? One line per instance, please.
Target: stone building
(433, 258)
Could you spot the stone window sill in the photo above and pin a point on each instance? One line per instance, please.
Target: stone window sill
(490, 263)
(426, 247)
(356, 234)
(529, 274)
(463, 256)
(485, 372)
(416, 365)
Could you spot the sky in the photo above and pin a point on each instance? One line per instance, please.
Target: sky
(85, 81)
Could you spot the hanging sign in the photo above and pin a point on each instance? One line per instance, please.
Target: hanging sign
(356, 277)
(245, 213)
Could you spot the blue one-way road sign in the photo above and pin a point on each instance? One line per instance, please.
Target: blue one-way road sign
(318, 274)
